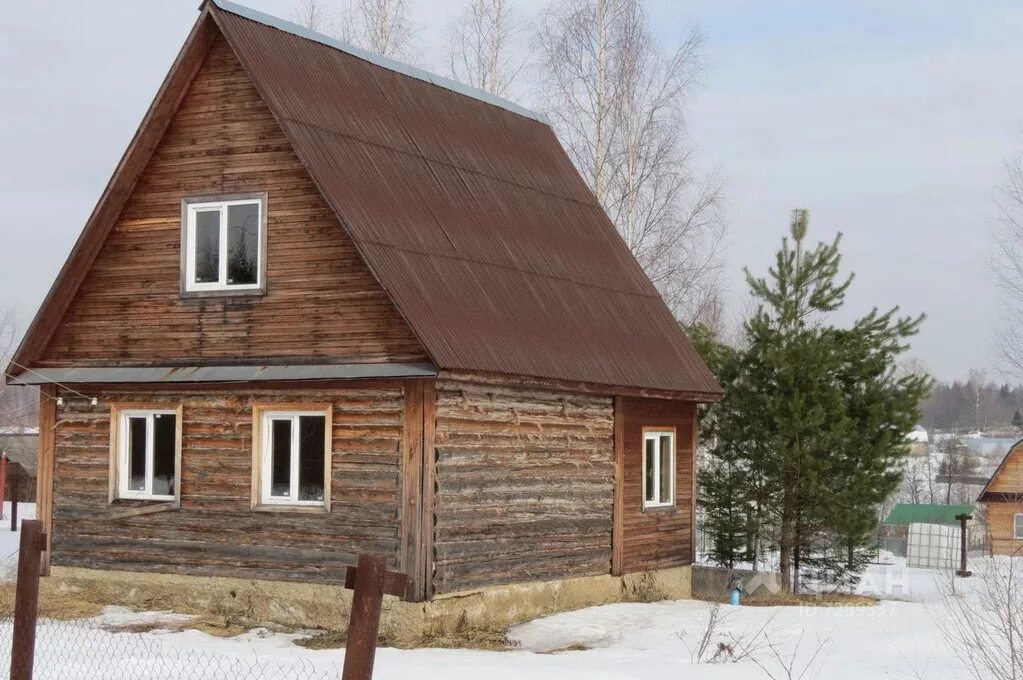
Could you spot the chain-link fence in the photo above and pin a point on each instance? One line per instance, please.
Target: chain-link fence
(90, 649)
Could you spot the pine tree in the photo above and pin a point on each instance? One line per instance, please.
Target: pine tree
(811, 431)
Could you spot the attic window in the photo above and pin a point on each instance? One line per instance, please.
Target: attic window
(224, 244)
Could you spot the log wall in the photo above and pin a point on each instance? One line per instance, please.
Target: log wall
(321, 300)
(1000, 518)
(215, 532)
(657, 538)
(523, 485)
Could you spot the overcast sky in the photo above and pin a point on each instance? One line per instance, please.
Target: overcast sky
(889, 121)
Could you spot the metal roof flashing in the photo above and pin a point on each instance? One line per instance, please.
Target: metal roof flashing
(379, 59)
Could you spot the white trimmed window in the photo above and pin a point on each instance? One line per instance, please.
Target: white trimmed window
(223, 244)
(292, 457)
(658, 468)
(1017, 526)
(147, 446)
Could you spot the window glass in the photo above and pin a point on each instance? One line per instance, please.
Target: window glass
(137, 454)
(311, 458)
(242, 243)
(207, 246)
(1019, 526)
(280, 465)
(164, 444)
(665, 468)
(649, 484)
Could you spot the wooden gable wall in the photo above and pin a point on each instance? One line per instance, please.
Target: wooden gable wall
(322, 302)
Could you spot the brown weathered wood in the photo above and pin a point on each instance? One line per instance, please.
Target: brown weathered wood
(14, 502)
(412, 490)
(45, 467)
(617, 548)
(370, 580)
(215, 531)
(575, 386)
(524, 484)
(322, 302)
(657, 538)
(26, 599)
(426, 553)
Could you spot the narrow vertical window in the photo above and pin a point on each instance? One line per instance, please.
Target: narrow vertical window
(1017, 532)
(292, 458)
(147, 454)
(658, 469)
(222, 244)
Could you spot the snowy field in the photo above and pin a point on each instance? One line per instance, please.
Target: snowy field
(898, 638)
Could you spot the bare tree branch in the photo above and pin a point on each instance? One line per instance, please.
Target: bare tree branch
(484, 45)
(618, 101)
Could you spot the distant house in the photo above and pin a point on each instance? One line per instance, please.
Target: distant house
(330, 304)
(918, 435)
(1002, 496)
(20, 445)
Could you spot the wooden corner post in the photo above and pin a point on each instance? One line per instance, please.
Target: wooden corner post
(618, 521)
(44, 473)
(417, 474)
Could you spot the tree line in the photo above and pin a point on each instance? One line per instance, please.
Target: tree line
(976, 404)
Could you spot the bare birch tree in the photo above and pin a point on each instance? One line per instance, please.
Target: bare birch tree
(312, 14)
(382, 26)
(1008, 268)
(618, 101)
(484, 45)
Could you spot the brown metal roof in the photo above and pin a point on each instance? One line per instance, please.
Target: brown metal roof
(465, 208)
(472, 217)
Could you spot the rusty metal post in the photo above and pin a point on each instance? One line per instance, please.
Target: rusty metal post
(3, 479)
(370, 580)
(963, 519)
(26, 599)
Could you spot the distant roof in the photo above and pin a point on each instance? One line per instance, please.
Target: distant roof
(918, 434)
(466, 209)
(18, 431)
(922, 513)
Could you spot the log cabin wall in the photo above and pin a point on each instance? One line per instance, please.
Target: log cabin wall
(657, 538)
(1001, 526)
(215, 532)
(321, 299)
(523, 485)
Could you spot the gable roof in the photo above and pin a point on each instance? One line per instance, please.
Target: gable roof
(465, 208)
(986, 495)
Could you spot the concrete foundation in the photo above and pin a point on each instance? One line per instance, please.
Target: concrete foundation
(458, 616)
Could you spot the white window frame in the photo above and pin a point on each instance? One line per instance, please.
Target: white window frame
(1015, 526)
(190, 207)
(656, 434)
(120, 459)
(263, 416)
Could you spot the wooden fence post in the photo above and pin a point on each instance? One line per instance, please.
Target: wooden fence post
(370, 580)
(26, 599)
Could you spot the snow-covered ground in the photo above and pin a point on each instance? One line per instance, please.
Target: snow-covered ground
(898, 638)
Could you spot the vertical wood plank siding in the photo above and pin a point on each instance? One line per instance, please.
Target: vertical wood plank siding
(523, 485)
(657, 538)
(321, 299)
(215, 531)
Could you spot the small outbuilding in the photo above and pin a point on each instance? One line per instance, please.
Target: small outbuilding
(1002, 497)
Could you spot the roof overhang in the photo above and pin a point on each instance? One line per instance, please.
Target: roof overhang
(198, 374)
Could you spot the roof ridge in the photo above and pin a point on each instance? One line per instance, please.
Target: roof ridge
(379, 59)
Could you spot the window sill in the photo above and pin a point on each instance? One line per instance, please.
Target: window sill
(223, 293)
(661, 510)
(304, 509)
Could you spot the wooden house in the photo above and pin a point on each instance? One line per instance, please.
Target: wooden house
(330, 304)
(1002, 497)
